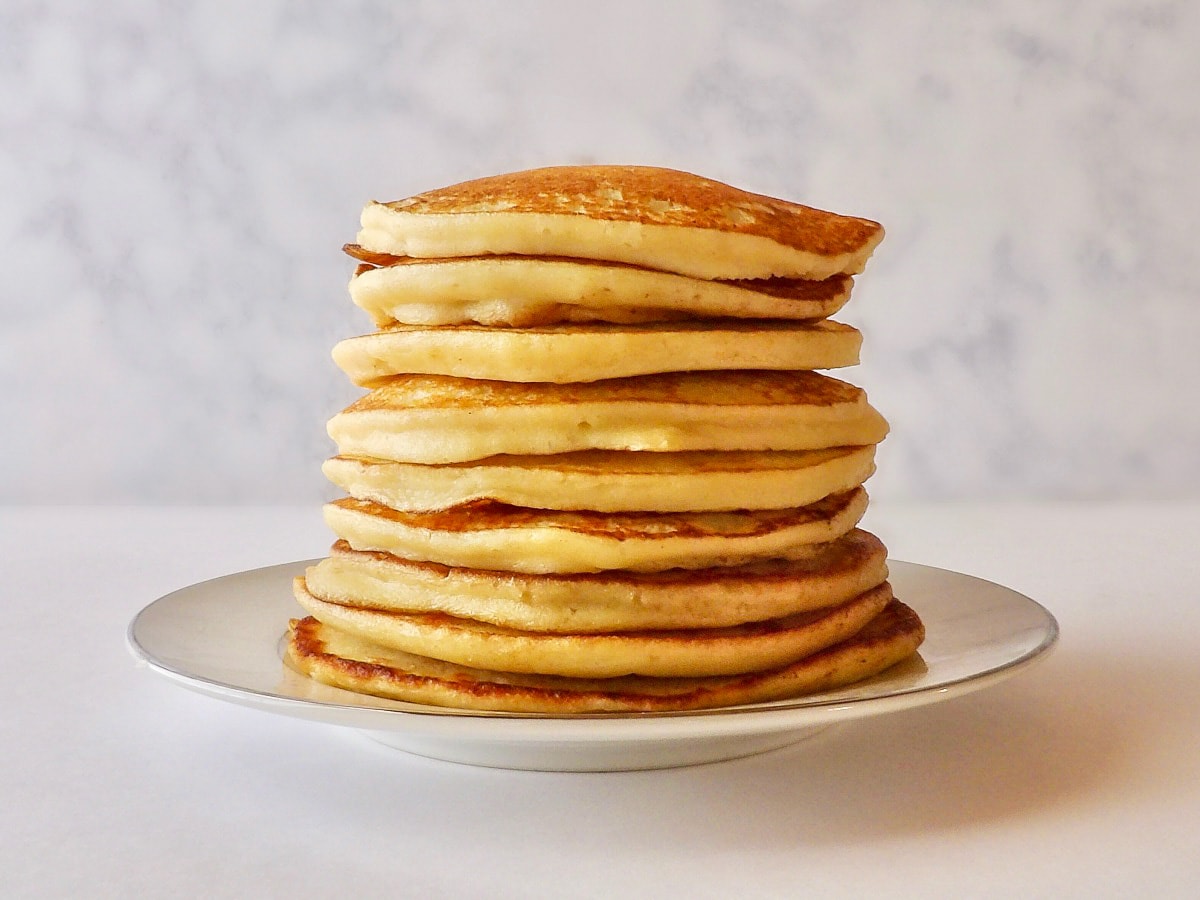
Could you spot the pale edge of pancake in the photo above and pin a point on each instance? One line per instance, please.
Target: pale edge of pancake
(413, 487)
(590, 355)
(461, 434)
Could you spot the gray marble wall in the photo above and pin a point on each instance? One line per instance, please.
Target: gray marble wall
(176, 181)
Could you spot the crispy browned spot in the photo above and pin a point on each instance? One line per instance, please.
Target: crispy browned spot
(798, 289)
(484, 515)
(650, 195)
(735, 388)
(894, 634)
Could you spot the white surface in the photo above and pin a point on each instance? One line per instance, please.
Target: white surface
(1078, 778)
(221, 637)
(177, 189)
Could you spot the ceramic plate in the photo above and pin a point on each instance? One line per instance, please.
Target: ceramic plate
(224, 638)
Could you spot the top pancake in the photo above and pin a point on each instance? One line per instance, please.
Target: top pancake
(646, 216)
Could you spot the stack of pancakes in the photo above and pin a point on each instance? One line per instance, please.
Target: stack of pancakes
(596, 470)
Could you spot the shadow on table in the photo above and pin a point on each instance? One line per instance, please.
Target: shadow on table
(1074, 728)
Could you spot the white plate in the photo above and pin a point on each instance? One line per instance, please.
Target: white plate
(223, 638)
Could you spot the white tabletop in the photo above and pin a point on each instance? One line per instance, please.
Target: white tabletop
(1079, 777)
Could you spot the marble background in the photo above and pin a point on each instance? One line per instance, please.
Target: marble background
(176, 181)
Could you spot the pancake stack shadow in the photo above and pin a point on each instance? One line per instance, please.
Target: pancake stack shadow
(596, 468)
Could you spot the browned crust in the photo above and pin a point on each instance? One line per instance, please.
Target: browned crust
(687, 325)
(845, 554)
(805, 290)
(737, 388)
(892, 636)
(650, 195)
(876, 598)
(485, 515)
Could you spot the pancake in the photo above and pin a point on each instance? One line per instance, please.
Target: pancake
(834, 573)
(487, 535)
(342, 660)
(575, 353)
(689, 652)
(528, 291)
(652, 217)
(611, 480)
(596, 469)
(440, 419)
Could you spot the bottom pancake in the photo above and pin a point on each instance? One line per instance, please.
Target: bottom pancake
(339, 659)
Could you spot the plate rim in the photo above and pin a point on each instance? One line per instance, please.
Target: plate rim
(398, 716)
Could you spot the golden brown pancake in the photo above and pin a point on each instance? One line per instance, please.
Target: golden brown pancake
(611, 480)
(596, 470)
(657, 218)
(688, 652)
(573, 353)
(342, 660)
(486, 535)
(608, 601)
(440, 419)
(527, 291)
